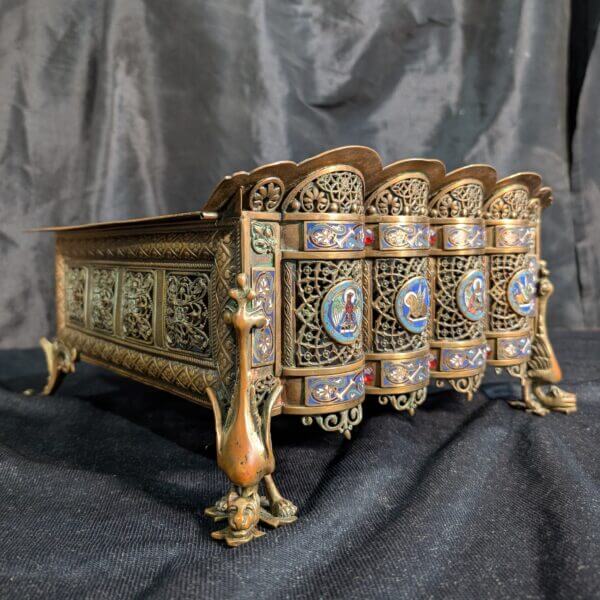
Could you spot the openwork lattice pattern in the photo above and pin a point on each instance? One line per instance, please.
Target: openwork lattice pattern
(263, 386)
(390, 274)
(186, 312)
(314, 346)
(501, 316)
(104, 283)
(337, 192)
(463, 201)
(513, 204)
(75, 291)
(138, 305)
(406, 197)
(450, 323)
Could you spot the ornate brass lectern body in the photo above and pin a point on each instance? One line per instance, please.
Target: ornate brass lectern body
(304, 288)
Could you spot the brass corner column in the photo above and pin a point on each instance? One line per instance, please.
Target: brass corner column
(458, 344)
(397, 280)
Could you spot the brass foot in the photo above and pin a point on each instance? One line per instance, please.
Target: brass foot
(279, 507)
(540, 397)
(556, 399)
(241, 508)
(60, 360)
(540, 374)
(244, 509)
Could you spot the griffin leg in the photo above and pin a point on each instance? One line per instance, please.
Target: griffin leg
(60, 360)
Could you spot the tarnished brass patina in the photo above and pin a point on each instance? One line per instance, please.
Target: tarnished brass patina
(398, 283)
(459, 278)
(303, 289)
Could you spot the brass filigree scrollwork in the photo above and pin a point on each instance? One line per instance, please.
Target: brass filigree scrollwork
(138, 305)
(501, 315)
(450, 322)
(262, 237)
(186, 312)
(341, 422)
(406, 197)
(75, 291)
(102, 314)
(266, 195)
(339, 191)
(390, 274)
(408, 402)
(463, 201)
(464, 385)
(314, 347)
(513, 204)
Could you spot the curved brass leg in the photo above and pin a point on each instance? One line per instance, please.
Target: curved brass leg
(60, 360)
(244, 450)
(541, 373)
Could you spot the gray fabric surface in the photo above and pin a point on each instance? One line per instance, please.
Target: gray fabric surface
(114, 109)
(103, 487)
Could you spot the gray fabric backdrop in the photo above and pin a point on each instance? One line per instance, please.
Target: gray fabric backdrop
(126, 108)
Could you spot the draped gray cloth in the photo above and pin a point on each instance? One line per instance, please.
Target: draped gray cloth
(126, 108)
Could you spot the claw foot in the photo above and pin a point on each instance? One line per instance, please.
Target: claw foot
(531, 407)
(283, 510)
(556, 399)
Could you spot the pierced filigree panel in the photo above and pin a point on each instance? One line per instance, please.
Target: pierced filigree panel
(75, 292)
(450, 322)
(102, 310)
(389, 275)
(266, 194)
(513, 204)
(137, 309)
(314, 347)
(336, 192)
(406, 197)
(463, 201)
(263, 386)
(501, 315)
(186, 312)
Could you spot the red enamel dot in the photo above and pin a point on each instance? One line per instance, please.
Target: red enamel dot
(433, 363)
(368, 376)
(432, 237)
(489, 352)
(369, 237)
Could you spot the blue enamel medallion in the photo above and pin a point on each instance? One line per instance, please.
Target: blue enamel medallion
(521, 292)
(342, 311)
(412, 304)
(470, 295)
